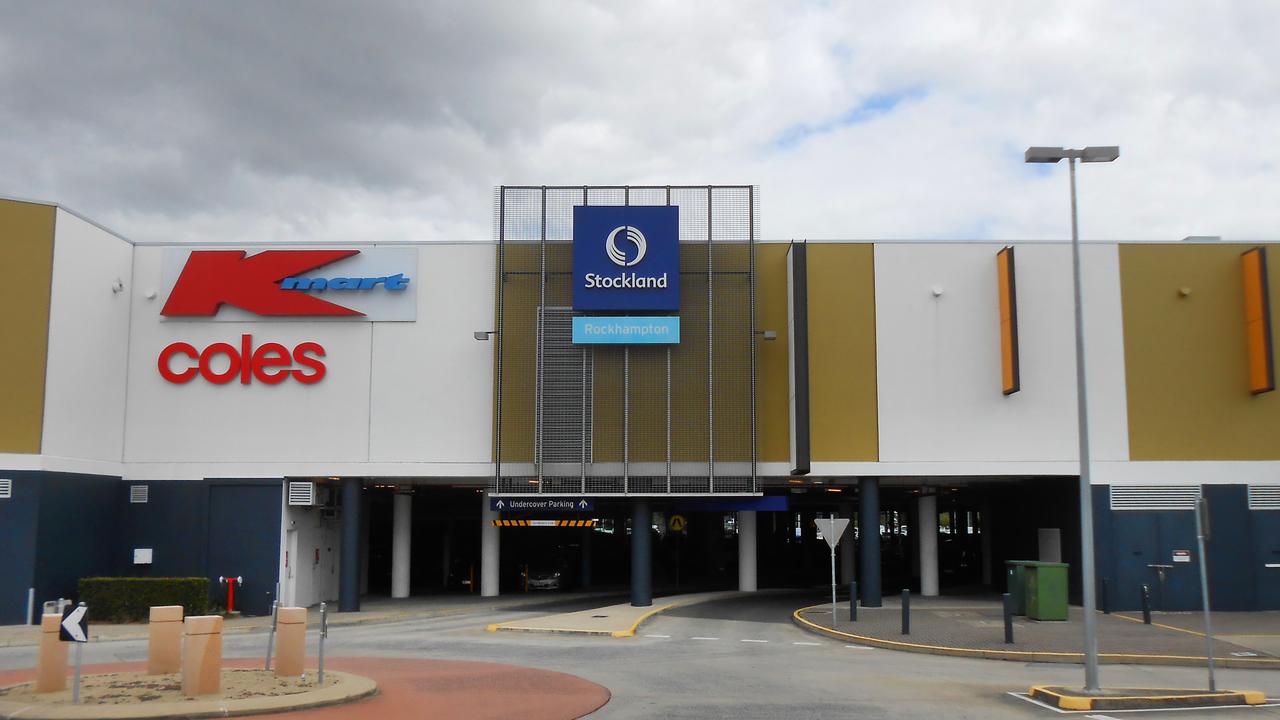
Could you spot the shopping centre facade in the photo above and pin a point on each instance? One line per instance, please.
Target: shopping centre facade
(333, 421)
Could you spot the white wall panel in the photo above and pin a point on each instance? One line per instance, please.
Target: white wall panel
(203, 422)
(432, 384)
(84, 405)
(938, 358)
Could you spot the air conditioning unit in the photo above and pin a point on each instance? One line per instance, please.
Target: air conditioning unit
(302, 493)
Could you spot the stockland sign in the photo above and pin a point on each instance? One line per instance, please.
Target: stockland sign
(626, 258)
(373, 283)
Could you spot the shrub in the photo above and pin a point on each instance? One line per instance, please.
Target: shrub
(129, 599)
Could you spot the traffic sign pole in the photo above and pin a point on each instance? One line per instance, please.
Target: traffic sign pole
(1202, 534)
(75, 687)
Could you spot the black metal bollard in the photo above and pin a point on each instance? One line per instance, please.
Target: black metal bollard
(1146, 605)
(853, 601)
(1008, 618)
(1106, 605)
(906, 611)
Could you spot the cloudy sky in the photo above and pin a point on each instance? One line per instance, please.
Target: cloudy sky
(255, 121)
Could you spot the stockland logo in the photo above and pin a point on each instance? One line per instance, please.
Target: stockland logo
(632, 235)
(641, 240)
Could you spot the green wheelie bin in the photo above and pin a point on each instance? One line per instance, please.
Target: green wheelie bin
(1016, 582)
(1046, 590)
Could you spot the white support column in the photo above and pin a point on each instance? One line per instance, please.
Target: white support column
(401, 534)
(928, 512)
(747, 550)
(488, 549)
(846, 546)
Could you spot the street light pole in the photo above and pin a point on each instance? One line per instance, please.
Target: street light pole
(1087, 571)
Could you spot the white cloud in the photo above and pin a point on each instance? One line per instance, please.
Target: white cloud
(244, 121)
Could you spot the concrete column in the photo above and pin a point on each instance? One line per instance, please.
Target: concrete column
(201, 655)
(846, 546)
(164, 640)
(51, 668)
(747, 551)
(349, 569)
(985, 523)
(586, 556)
(364, 546)
(488, 549)
(291, 641)
(641, 553)
(869, 540)
(401, 534)
(928, 535)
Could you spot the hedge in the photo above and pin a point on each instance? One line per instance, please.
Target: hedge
(129, 599)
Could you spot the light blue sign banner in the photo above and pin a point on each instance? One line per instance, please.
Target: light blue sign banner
(626, 330)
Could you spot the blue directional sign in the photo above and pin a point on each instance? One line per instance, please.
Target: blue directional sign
(527, 504)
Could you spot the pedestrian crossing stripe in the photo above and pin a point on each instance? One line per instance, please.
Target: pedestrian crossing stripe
(544, 523)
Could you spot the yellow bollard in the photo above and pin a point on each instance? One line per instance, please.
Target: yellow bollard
(201, 655)
(291, 641)
(164, 642)
(51, 673)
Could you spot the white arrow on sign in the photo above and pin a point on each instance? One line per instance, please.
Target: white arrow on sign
(832, 529)
(71, 623)
(501, 504)
(582, 504)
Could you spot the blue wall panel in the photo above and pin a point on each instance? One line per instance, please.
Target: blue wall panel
(77, 534)
(18, 520)
(1232, 577)
(172, 523)
(1266, 551)
(244, 540)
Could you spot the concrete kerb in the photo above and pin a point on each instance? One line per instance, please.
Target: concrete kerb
(1025, 655)
(350, 689)
(1143, 698)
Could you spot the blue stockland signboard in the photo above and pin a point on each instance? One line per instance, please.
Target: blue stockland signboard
(626, 330)
(626, 257)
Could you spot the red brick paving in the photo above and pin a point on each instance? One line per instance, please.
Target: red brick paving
(433, 688)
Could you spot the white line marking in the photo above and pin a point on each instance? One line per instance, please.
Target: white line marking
(859, 647)
(658, 636)
(703, 638)
(1100, 717)
(761, 641)
(807, 643)
(1271, 702)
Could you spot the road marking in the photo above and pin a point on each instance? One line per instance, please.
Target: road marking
(703, 638)
(859, 647)
(807, 643)
(746, 640)
(658, 636)
(1100, 717)
(1271, 702)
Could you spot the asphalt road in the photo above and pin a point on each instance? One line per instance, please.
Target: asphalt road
(738, 658)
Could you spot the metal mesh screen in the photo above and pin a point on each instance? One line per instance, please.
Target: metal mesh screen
(640, 419)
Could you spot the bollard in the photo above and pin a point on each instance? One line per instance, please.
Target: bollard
(1146, 605)
(1007, 599)
(201, 655)
(853, 601)
(51, 671)
(906, 611)
(1106, 606)
(324, 633)
(271, 635)
(164, 640)
(291, 643)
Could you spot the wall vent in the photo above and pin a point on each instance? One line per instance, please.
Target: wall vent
(302, 493)
(1261, 497)
(139, 493)
(1154, 497)
(6, 488)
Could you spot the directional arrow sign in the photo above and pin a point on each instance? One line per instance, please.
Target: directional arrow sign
(75, 626)
(832, 529)
(536, 504)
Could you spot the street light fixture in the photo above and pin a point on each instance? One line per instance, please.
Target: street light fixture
(1100, 153)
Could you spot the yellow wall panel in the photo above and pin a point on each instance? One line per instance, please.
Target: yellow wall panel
(1186, 357)
(772, 415)
(842, 353)
(26, 252)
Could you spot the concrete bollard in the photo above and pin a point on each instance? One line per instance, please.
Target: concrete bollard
(51, 672)
(201, 655)
(164, 640)
(291, 641)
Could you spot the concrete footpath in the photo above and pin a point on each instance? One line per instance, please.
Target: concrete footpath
(975, 628)
(619, 620)
(372, 610)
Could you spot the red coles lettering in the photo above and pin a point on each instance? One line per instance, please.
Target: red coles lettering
(270, 364)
